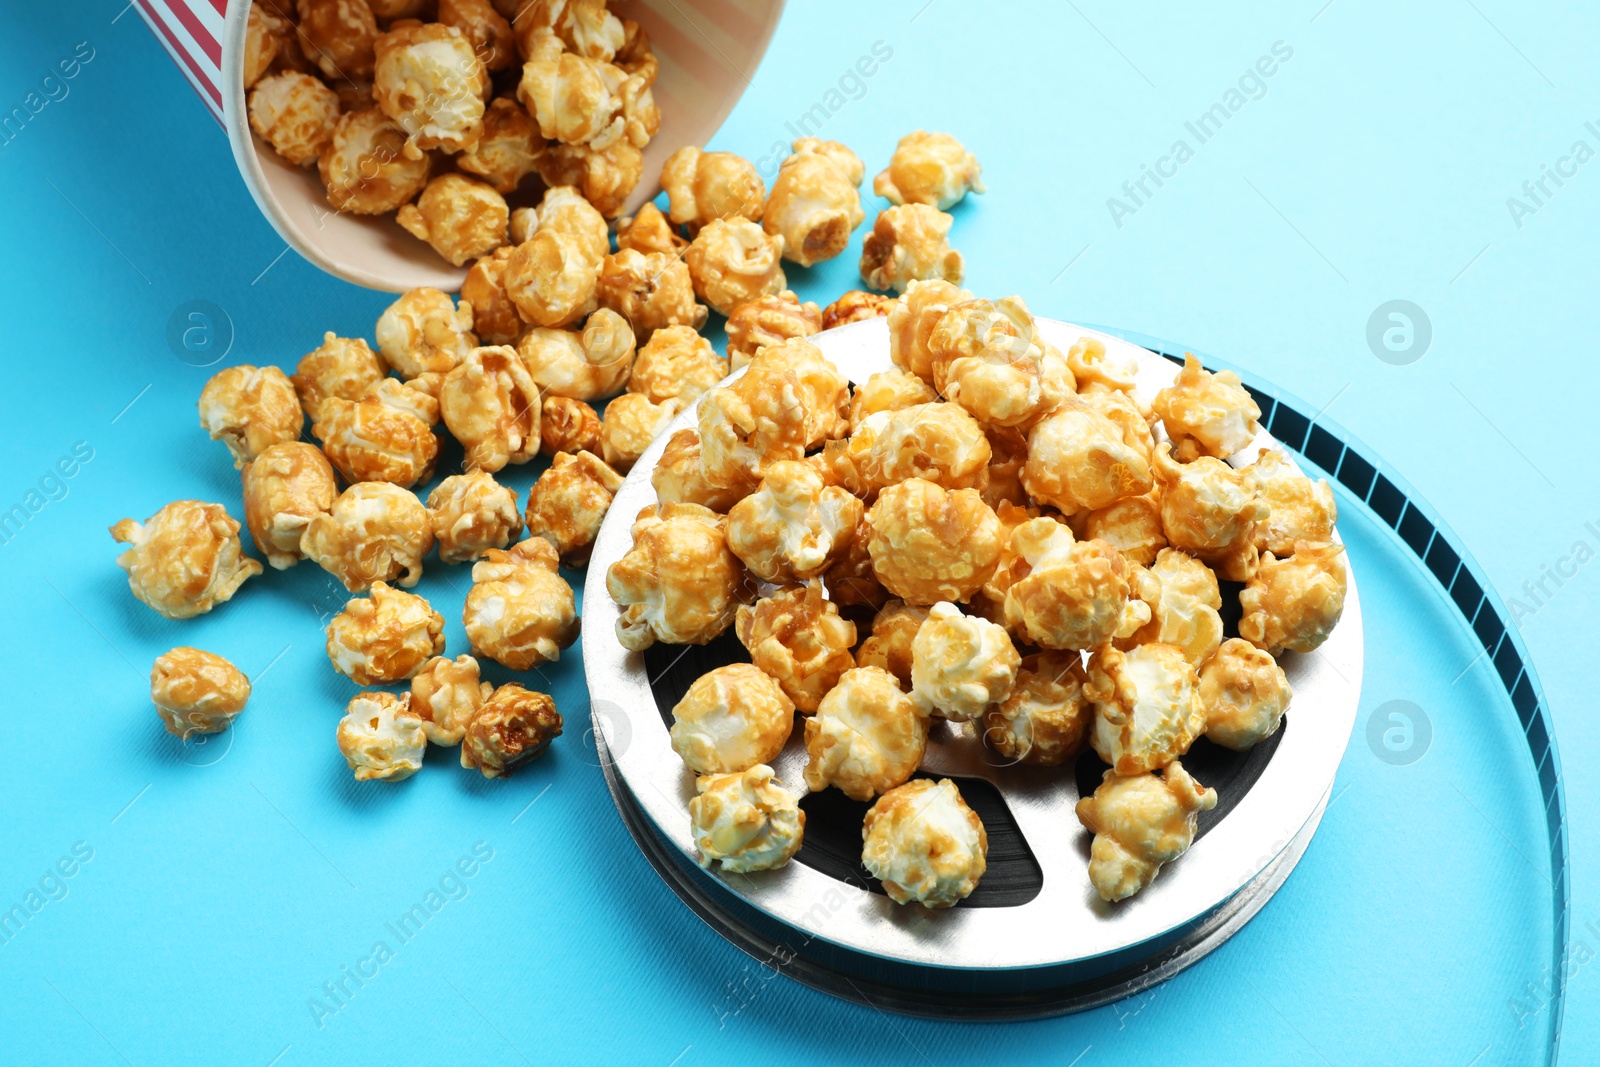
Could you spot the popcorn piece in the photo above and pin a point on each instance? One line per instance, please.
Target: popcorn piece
(635, 56)
(650, 291)
(889, 390)
(249, 408)
(472, 513)
(866, 737)
(582, 101)
(1298, 509)
(486, 30)
(912, 320)
(1128, 414)
(1245, 694)
(520, 612)
(339, 36)
(185, 559)
(197, 692)
(604, 177)
(1008, 454)
(705, 186)
(494, 314)
(428, 80)
(988, 357)
(734, 260)
(295, 114)
(1132, 526)
(1095, 369)
(1079, 461)
(676, 363)
(929, 545)
(1184, 600)
(425, 332)
(799, 640)
(631, 422)
(1211, 511)
(1068, 594)
(813, 204)
(768, 320)
(1293, 604)
(909, 243)
(1147, 707)
(649, 231)
(380, 438)
(1045, 720)
(792, 527)
(551, 278)
(851, 582)
(365, 168)
(462, 218)
(491, 405)
(564, 210)
(679, 583)
(509, 149)
(582, 366)
(284, 488)
(1140, 823)
(344, 367)
(1207, 414)
(569, 501)
(894, 627)
(584, 26)
(514, 728)
(447, 695)
(381, 737)
(731, 719)
(960, 664)
(679, 477)
(938, 442)
(790, 399)
(385, 637)
(568, 425)
(260, 44)
(929, 168)
(925, 845)
(375, 531)
(857, 305)
(747, 821)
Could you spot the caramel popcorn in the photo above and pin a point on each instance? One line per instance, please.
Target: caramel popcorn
(260, 44)
(513, 728)
(354, 96)
(635, 56)
(1078, 460)
(569, 501)
(790, 399)
(568, 425)
(582, 101)
(428, 80)
(1184, 603)
(768, 320)
(486, 30)
(938, 442)
(731, 719)
(564, 210)
(344, 367)
(851, 582)
(379, 438)
(1132, 526)
(857, 305)
(649, 231)
(960, 664)
(295, 114)
(866, 737)
(472, 513)
(987, 357)
(1211, 511)
(650, 290)
(746, 821)
(491, 405)
(1298, 509)
(679, 583)
(890, 390)
(339, 36)
(799, 640)
(1095, 369)
(197, 692)
(894, 627)
(1069, 593)
(676, 363)
(249, 408)
(375, 531)
(509, 149)
(425, 332)
(1245, 694)
(582, 366)
(1140, 823)
(924, 844)
(909, 243)
(385, 637)
(679, 477)
(185, 559)
(461, 217)
(928, 544)
(584, 26)
(365, 168)
(631, 422)
(793, 526)
(283, 488)
(912, 320)
(1126, 413)
(447, 695)
(605, 177)
(1045, 720)
(520, 612)
(381, 737)
(705, 186)
(551, 278)
(1293, 604)
(929, 168)
(813, 204)
(1147, 706)
(1207, 414)
(1008, 454)
(734, 260)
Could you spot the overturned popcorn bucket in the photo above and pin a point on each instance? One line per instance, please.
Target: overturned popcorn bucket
(707, 49)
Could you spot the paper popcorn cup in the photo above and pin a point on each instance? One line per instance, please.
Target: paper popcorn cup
(708, 50)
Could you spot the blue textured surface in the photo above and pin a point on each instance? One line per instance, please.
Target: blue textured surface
(226, 887)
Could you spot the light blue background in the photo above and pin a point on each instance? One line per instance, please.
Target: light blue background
(226, 888)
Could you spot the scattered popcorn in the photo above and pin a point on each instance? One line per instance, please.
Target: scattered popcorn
(792, 527)
(866, 737)
(424, 331)
(381, 737)
(924, 844)
(1045, 720)
(472, 513)
(461, 217)
(960, 664)
(1245, 694)
(1207, 414)
(520, 612)
(649, 231)
(1295, 603)
(551, 279)
(679, 583)
(295, 114)
(1184, 603)
(733, 260)
(380, 438)
(731, 719)
(375, 532)
(385, 637)
(365, 168)
(1211, 511)
(799, 640)
(813, 204)
(185, 559)
(912, 320)
(676, 363)
(339, 36)
(929, 168)
(929, 545)
(491, 405)
(1132, 526)
(650, 290)
(857, 305)
(447, 694)
(894, 627)
(1139, 823)
(1147, 706)
(1066, 593)
(631, 422)
(569, 501)
(509, 149)
(583, 366)
(513, 728)
(249, 408)
(1298, 509)
(197, 692)
(704, 186)
(344, 367)
(1079, 461)
(284, 488)
(680, 478)
(745, 821)
(568, 425)
(909, 243)
(891, 390)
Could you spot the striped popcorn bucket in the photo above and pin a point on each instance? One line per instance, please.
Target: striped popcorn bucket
(708, 51)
